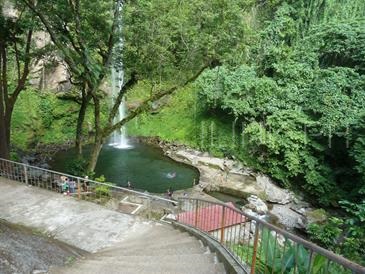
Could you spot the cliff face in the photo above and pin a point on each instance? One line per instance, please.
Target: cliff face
(49, 72)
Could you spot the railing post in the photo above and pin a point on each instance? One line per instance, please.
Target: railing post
(179, 209)
(78, 188)
(222, 226)
(196, 213)
(254, 254)
(25, 174)
(149, 214)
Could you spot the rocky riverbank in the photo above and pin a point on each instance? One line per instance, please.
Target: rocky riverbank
(264, 198)
(42, 153)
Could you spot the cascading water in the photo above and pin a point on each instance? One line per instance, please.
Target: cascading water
(119, 138)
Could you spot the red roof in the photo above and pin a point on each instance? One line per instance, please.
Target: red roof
(210, 218)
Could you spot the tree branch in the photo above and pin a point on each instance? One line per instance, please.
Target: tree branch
(52, 34)
(17, 59)
(21, 81)
(145, 105)
(131, 82)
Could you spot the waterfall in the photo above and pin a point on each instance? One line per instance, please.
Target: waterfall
(119, 138)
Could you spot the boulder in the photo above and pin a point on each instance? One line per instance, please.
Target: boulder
(257, 205)
(286, 216)
(211, 162)
(186, 156)
(274, 194)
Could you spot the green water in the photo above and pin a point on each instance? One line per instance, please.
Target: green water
(143, 165)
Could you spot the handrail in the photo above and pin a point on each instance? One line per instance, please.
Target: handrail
(198, 213)
(155, 197)
(233, 228)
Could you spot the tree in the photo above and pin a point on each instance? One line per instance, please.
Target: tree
(178, 47)
(301, 103)
(16, 53)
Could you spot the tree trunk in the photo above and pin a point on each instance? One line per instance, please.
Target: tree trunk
(98, 141)
(5, 119)
(4, 141)
(95, 154)
(80, 123)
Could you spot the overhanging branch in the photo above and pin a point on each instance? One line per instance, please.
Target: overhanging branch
(145, 105)
(131, 82)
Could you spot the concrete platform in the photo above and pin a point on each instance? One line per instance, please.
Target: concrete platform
(79, 223)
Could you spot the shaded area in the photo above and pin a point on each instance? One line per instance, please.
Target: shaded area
(145, 166)
(24, 250)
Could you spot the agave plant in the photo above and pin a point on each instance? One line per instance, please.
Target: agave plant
(275, 256)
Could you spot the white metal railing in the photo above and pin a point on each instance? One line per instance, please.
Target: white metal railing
(255, 244)
(86, 189)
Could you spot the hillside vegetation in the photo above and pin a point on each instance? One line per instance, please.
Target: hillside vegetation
(279, 85)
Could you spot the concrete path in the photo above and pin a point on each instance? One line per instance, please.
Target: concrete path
(79, 223)
(120, 243)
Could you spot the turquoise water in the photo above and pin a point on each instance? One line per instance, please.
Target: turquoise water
(145, 166)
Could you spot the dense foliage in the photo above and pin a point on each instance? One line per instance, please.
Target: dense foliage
(281, 87)
(301, 103)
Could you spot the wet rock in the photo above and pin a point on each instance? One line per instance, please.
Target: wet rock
(257, 205)
(286, 216)
(274, 194)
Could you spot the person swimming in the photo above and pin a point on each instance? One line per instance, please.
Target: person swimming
(171, 175)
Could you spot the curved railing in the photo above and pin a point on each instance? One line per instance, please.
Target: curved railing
(258, 246)
(126, 200)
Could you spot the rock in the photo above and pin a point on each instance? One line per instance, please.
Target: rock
(317, 216)
(39, 271)
(205, 154)
(9, 11)
(257, 205)
(274, 194)
(286, 216)
(301, 223)
(211, 162)
(185, 155)
(50, 72)
(250, 212)
(196, 158)
(208, 187)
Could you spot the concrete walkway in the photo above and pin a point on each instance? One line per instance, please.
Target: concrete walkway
(120, 243)
(79, 223)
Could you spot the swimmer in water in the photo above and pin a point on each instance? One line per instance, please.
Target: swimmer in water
(171, 175)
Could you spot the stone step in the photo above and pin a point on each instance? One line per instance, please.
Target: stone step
(177, 259)
(157, 240)
(187, 248)
(121, 267)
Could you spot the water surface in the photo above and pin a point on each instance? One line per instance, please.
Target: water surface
(145, 166)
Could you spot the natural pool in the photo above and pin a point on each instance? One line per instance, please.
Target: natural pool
(145, 166)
